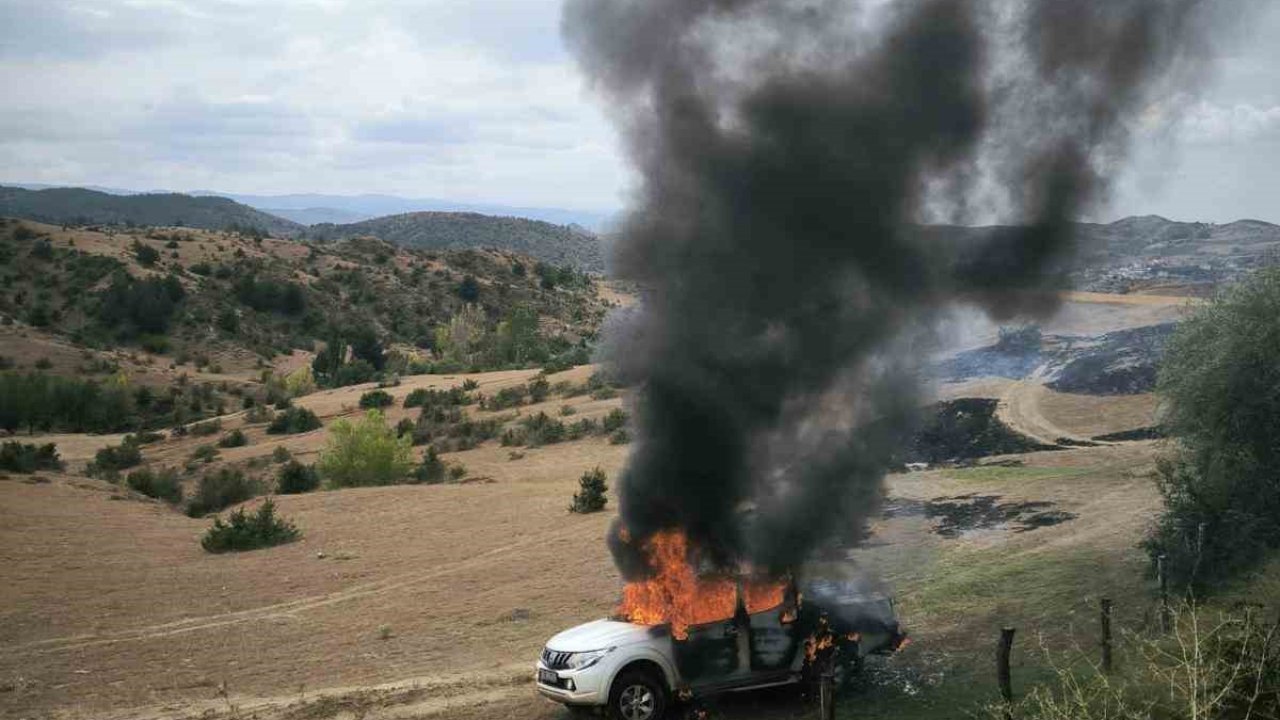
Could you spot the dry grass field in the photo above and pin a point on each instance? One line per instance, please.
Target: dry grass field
(433, 601)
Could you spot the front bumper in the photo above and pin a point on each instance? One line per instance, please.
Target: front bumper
(588, 686)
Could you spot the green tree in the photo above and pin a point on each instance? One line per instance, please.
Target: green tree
(1221, 384)
(593, 495)
(365, 452)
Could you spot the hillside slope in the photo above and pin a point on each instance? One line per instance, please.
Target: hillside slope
(561, 245)
(77, 206)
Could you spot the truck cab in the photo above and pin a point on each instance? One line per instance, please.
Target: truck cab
(636, 671)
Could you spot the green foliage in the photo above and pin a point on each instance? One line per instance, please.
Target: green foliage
(432, 471)
(1221, 382)
(204, 429)
(140, 306)
(205, 454)
(376, 400)
(36, 401)
(593, 493)
(281, 454)
(615, 420)
(296, 478)
(539, 389)
(26, 458)
(145, 254)
(163, 485)
(110, 460)
(235, 438)
(365, 452)
(293, 420)
(220, 490)
(269, 295)
(619, 437)
(542, 429)
(430, 398)
(507, 397)
(244, 532)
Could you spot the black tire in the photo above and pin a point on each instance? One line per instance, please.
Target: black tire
(637, 695)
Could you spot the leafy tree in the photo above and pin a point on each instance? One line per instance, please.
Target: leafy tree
(365, 452)
(296, 478)
(1221, 381)
(433, 470)
(593, 495)
(469, 289)
(140, 306)
(244, 532)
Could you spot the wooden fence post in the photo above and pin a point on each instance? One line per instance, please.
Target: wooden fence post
(1106, 635)
(1002, 670)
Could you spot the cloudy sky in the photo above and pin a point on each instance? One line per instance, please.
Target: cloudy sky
(466, 100)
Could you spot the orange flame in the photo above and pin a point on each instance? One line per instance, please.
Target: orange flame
(678, 595)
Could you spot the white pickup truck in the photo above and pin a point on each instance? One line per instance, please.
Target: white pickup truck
(636, 670)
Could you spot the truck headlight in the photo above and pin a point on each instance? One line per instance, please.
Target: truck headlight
(581, 660)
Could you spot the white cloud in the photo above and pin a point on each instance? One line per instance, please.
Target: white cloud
(1206, 122)
(472, 101)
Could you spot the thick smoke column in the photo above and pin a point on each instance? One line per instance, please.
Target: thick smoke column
(789, 151)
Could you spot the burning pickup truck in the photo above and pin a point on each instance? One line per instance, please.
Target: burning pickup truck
(719, 634)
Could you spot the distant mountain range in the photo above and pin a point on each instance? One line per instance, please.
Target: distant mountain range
(313, 208)
(558, 244)
(65, 206)
(1132, 253)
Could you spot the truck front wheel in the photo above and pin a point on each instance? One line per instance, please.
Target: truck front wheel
(637, 695)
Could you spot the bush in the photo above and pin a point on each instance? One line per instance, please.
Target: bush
(620, 437)
(542, 429)
(615, 420)
(145, 254)
(204, 429)
(220, 490)
(110, 460)
(593, 495)
(416, 398)
(365, 452)
(26, 458)
(249, 532)
(539, 389)
(235, 438)
(507, 398)
(432, 471)
(405, 427)
(281, 454)
(296, 478)
(1221, 383)
(376, 400)
(163, 485)
(469, 385)
(292, 421)
(205, 454)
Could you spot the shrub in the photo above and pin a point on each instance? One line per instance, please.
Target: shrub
(163, 485)
(281, 454)
(110, 460)
(26, 458)
(507, 398)
(244, 532)
(432, 471)
(296, 478)
(365, 452)
(593, 493)
(620, 437)
(542, 429)
(220, 490)
(292, 421)
(235, 438)
(145, 254)
(416, 398)
(567, 410)
(258, 414)
(469, 385)
(204, 429)
(1222, 386)
(457, 471)
(300, 382)
(539, 389)
(615, 420)
(405, 427)
(205, 454)
(375, 400)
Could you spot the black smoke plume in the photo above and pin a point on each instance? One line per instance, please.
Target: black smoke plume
(789, 152)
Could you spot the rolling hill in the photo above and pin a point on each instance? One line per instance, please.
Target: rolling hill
(557, 244)
(77, 206)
